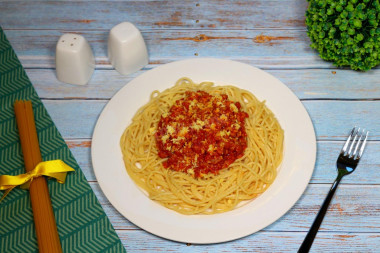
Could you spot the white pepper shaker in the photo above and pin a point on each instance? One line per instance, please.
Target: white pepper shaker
(74, 59)
(127, 51)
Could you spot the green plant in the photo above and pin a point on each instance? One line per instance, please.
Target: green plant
(346, 32)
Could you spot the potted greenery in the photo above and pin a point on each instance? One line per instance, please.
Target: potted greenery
(345, 32)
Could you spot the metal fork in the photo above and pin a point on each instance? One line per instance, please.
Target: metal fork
(347, 161)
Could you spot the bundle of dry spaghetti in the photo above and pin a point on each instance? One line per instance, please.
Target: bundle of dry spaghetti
(46, 228)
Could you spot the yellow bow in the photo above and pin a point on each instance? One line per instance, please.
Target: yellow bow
(55, 168)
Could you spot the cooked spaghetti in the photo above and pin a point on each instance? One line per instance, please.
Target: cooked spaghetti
(242, 147)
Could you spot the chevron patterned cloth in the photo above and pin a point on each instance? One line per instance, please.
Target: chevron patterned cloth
(82, 224)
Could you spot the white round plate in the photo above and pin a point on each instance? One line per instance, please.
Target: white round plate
(292, 179)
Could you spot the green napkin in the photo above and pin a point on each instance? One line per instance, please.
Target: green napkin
(82, 224)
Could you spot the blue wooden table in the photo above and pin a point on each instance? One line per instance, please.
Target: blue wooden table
(270, 35)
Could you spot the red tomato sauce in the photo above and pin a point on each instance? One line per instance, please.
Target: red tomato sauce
(201, 134)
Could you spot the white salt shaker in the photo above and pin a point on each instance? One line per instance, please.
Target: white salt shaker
(74, 59)
(127, 51)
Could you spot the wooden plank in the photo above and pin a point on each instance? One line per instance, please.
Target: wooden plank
(73, 118)
(331, 119)
(354, 208)
(334, 119)
(305, 83)
(324, 172)
(81, 150)
(269, 49)
(226, 14)
(367, 171)
(139, 241)
(263, 48)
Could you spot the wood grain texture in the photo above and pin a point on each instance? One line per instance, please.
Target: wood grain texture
(267, 34)
(305, 83)
(258, 242)
(226, 14)
(267, 49)
(264, 48)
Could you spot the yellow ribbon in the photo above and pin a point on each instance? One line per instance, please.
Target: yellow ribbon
(54, 169)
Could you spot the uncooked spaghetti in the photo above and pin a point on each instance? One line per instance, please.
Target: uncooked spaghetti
(208, 191)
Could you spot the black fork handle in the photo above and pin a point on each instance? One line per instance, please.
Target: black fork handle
(308, 241)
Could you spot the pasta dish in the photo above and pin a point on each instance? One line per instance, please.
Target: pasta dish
(201, 148)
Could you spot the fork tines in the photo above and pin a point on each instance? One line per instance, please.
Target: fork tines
(355, 143)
